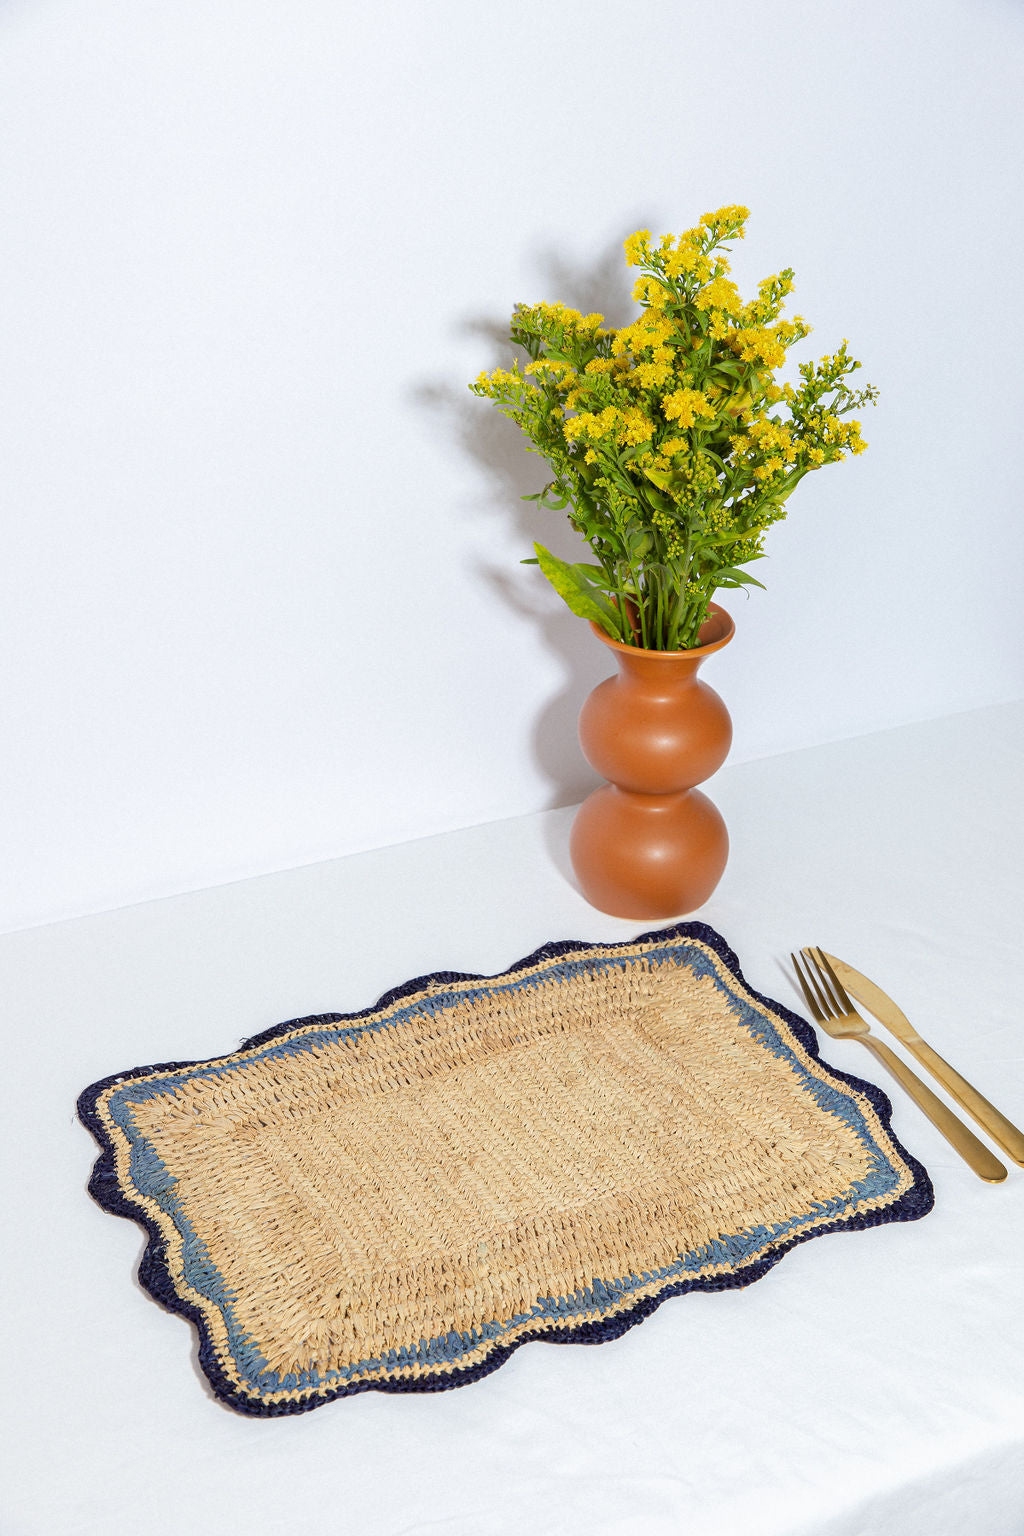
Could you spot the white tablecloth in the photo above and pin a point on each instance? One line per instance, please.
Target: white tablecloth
(871, 1385)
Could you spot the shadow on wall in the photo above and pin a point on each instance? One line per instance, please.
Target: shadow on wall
(500, 451)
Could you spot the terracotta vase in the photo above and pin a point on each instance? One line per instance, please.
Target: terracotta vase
(648, 844)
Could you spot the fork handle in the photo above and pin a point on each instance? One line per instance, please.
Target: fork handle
(973, 1151)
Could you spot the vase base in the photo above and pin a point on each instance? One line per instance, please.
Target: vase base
(648, 856)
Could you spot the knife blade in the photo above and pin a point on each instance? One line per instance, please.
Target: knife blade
(1002, 1131)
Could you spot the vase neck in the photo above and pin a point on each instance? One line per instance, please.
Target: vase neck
(670, 669)
(662, 669)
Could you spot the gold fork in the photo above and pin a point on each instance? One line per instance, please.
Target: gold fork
(835, 1013)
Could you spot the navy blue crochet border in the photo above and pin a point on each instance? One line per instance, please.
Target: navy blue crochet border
(155, 1277)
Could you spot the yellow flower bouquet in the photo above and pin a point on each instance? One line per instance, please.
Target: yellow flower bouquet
(671, 444)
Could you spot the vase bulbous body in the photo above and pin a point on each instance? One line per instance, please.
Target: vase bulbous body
(649, 844)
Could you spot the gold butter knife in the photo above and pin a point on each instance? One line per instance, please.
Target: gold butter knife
(1002, 1131)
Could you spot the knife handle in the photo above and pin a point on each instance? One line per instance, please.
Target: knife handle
(1002, 1131)
(974, 1152)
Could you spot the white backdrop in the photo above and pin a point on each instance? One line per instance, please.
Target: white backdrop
(262, 601)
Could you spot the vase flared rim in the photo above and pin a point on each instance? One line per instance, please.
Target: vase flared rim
(721, 635)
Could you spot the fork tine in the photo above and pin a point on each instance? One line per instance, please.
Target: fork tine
(820, 981)
(824, 996)
(812, 1005)
(840, 990)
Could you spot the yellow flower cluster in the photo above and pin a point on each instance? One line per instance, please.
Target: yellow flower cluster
(555, 367)
(499, 379)
(683, 260)
(756, 344)
(685, 405)
(647, 290)
(686, 255)
(771, 293)
(651, 375)
(651, 330)
(629, 426)
(847, 435)
(636, 427)
(638, 247)
(834, 435)
(560, 316)
(721, 294)
(768, 470)
(767, 435)
(775, 446)
(734, 216)
(591, 425)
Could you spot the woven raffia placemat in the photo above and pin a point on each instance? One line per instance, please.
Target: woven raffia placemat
(398, 1198)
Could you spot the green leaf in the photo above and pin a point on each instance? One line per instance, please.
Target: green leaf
(576, 591)
(531, 560)
(553, 503)
(600, 579)
(730, 576)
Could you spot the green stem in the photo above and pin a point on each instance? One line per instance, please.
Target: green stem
(641, 606)
(625, 629)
